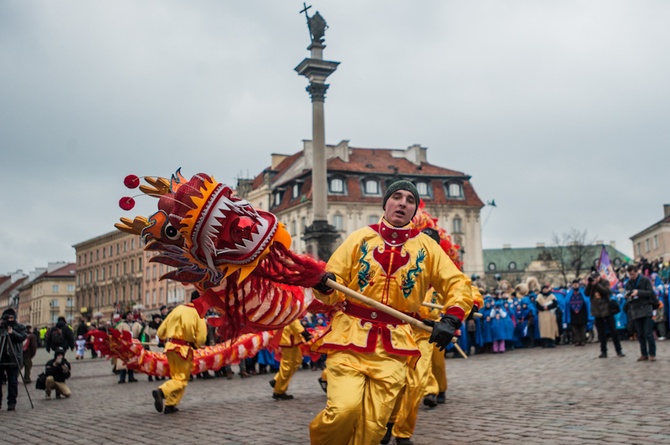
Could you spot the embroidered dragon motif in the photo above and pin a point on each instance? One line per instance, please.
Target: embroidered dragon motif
(364, 272)
(408, 281)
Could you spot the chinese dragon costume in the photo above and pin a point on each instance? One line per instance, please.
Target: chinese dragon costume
(237, 257)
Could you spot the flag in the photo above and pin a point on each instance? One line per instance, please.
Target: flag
(605, 268)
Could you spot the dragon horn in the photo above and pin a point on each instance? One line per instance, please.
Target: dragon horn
(134, 227)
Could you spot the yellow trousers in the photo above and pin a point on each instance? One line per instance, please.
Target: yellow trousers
(438, 381)
(362, 388)
(291, 359)
(60, 387)
(180, 374)
(407, 404)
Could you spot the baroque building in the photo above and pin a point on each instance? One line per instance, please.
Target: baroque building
(357, 179)
(653, 243)
(114, 275)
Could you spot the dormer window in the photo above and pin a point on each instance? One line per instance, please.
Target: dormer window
(455, 190)
(296, 190)
(422, 188)
(277, 198)
(336, 186)
(371, 187)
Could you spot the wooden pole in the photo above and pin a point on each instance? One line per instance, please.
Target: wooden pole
(387, 310)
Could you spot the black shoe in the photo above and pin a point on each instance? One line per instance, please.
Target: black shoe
(133, 380)
(170, 409)
(282, 396)
(122, 381)
(387, 437)
(441, 397)
(151, 379)
(430, 400)
(58, 396)
(620, 354)
(11, 407)
(403, 441)
(158, 399)
(603, 355)
(272, 382)
(324, 384)
(206, 375)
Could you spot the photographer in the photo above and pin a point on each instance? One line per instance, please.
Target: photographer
(12, 335)
(640, 296)
(598, 290)
(57, 371)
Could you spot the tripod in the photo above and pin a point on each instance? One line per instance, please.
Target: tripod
(6, 342)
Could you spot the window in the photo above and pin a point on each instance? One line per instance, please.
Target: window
(90, 257)
(655, 241)
(646, 245)
(125, 245)
(146, 298)
(296, 190)
(422, 188)
(336, 185)
(303, 223)
(492, 266)
(512, 265)
(132, 244)
(79, 260)
(132, 266)
(277, 199)
(54, 302)
(373, 219)
(111, 251)
(97, 254)
(639, 248)
(294, 225)
(458, 225)
(338, 222)
(102, 273)
(54, 288)
(455, 190)
(104, 253)
(371, 187)
(70, 287)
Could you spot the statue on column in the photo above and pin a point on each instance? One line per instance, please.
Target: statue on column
(316, 24)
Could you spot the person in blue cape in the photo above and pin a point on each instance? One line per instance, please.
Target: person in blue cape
(485, 325)
(498, 334)
(577, 313)
(524, 315)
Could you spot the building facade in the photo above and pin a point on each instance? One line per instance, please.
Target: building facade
(653, 242)
(357, 179)
(114, 275)
(49, 295)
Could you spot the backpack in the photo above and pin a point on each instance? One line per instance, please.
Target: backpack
(57, 338)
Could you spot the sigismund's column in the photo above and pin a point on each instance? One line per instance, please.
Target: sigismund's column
(319, 236)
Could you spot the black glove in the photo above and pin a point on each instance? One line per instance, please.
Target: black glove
(306, 335)
(322, 286)
(443, 330)
(474, 310)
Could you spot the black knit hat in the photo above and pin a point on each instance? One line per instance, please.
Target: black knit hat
(402, 185)
(9, 312)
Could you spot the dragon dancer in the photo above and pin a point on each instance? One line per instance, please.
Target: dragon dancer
(368, 351)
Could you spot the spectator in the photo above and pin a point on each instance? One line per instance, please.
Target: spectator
(12, 334)
(598, 290)
(29, 351)
(640, 295)
(57, 371)
(60, 336)
(546, 305)
(576, 313)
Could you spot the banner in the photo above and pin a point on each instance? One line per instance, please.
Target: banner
(605, 268)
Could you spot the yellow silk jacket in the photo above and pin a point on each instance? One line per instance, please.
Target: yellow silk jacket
(291, 334)
(183, 324)
(396, 267)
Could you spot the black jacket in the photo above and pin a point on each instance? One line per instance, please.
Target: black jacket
(67, 341)
(640, 306)
(599, 306)
(14, 340)
(60, 372)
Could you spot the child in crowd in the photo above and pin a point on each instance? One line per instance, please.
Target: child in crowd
(81, 347)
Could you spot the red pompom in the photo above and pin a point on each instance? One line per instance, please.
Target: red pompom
(132, 182)
(126, 203)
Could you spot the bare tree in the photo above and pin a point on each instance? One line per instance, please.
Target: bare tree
(571, 253)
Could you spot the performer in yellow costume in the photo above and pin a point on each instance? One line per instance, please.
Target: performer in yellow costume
(292, 337)
(181, 331)
(369, 351)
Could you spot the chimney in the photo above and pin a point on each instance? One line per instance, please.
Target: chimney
(599, 242)
(666, 210)
(276, 160)
(539, 245)
(507, 246)
(613, 244)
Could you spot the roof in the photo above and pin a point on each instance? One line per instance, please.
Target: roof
(523, 256)
(384, 164)
(665, 220)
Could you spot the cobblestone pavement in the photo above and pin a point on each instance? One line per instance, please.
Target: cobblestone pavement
(564, 395)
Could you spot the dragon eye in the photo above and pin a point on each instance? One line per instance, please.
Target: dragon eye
(171, 232)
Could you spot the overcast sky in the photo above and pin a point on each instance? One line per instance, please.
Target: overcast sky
(559, 110)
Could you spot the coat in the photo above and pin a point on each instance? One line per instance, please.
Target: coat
(600, 307)
(640, 306)
(547, 316)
